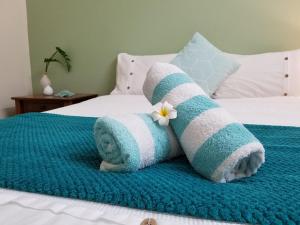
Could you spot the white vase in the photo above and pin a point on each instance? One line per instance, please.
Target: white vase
(46, 84)
(45, 81)
(48, 90)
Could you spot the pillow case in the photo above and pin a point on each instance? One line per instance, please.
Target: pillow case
(206, 64)
(132, 71)
(263, 75)
(259, 79)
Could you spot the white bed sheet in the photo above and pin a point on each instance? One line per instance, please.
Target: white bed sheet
(35, 209)
(283, 111)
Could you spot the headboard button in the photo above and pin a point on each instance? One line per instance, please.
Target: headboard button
(286, 76)
(286, 58)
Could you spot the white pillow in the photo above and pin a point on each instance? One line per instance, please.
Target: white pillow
(263, 75)
(132, 71)
(293, 81)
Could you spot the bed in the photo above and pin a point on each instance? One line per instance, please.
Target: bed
(42, 209)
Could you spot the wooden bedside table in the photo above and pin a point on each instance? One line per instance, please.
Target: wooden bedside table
(44, 103)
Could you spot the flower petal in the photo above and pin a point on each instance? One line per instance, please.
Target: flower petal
(158, 107)
(173, 114)
(163, 121)
(163, 113)
(167, 105)
(156, 116)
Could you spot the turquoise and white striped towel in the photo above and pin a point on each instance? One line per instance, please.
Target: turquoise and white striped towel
(133, 141)
(217, 146)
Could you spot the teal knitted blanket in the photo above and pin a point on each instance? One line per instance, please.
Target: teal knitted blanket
(56, 155)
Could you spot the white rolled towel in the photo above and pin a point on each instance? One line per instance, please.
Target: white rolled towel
(130, 142)
(217, 146)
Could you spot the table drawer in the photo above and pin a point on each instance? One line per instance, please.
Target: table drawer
(40, 106)
(41, 103)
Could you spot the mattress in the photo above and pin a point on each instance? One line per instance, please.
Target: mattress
(41, 209)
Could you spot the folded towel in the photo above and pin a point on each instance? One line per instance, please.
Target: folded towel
(217, 146)
(134, 141)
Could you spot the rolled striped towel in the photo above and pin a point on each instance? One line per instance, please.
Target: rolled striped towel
(217, 146)
(133, 141)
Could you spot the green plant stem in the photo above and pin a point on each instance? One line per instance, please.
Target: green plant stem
(47, 64)
(52, 58)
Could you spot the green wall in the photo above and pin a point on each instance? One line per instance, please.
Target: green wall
(95, 31)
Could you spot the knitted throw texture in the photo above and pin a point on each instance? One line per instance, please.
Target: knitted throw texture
(57, 155)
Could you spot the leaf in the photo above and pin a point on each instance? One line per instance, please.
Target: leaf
(65, 57)
(48, 60)
(62, 52)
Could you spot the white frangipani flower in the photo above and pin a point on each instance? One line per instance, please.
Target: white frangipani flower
(163, 113)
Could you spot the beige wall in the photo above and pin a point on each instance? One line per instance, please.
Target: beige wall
(15, 75)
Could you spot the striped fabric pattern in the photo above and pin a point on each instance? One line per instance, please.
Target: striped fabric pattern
(133, 141)
(217, 146)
